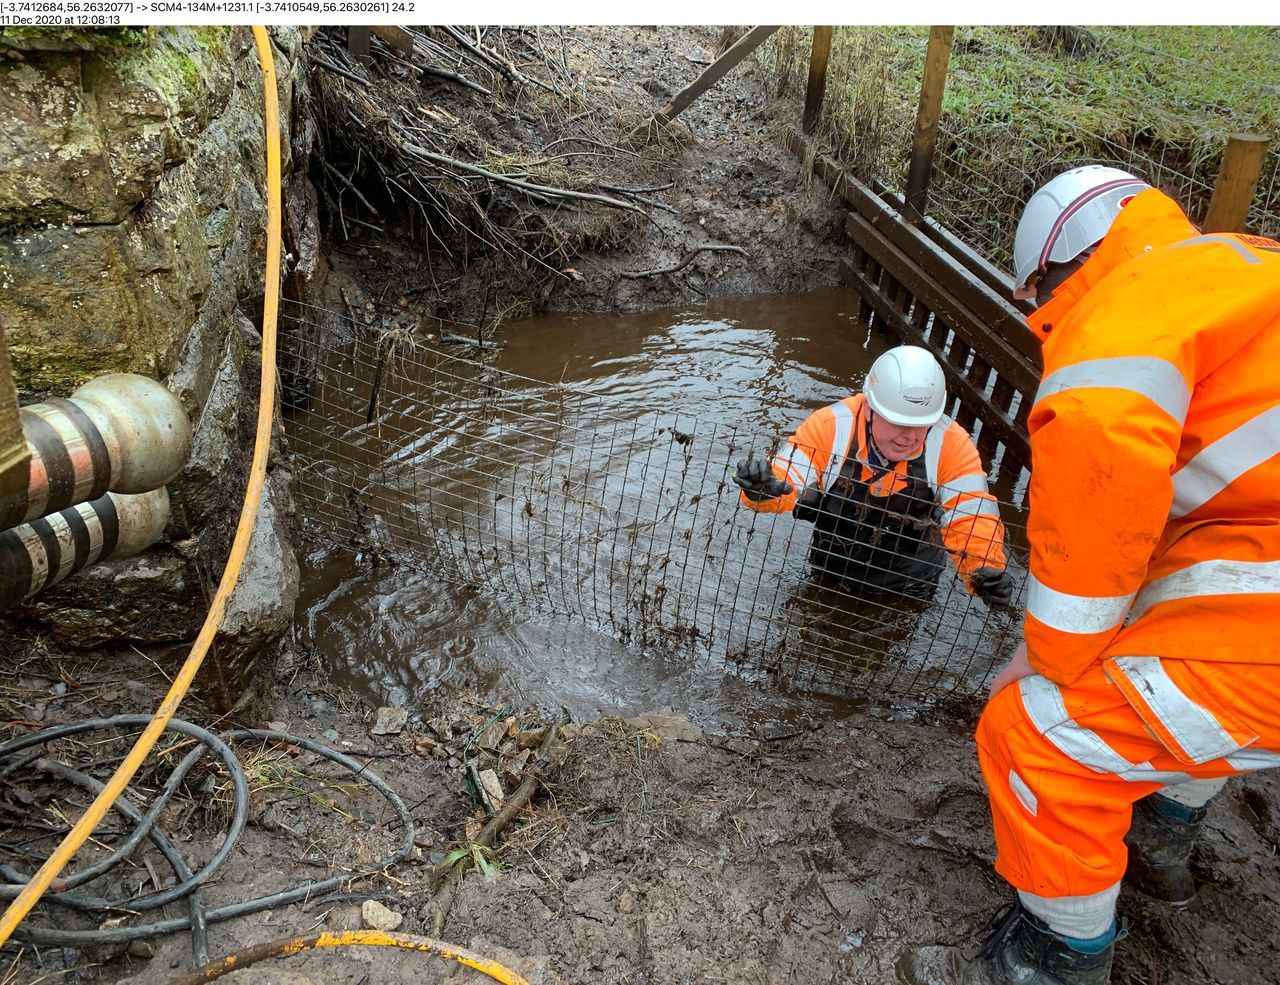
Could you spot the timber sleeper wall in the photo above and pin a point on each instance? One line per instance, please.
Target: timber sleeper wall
(929, 289)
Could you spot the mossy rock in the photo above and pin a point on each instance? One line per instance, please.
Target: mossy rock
(86, 135)
(72, 38)
(81, 301)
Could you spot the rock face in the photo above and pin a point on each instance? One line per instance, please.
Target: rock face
(132, 234)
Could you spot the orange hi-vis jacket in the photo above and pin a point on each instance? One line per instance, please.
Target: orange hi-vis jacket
(820, 450)
(1155, 441)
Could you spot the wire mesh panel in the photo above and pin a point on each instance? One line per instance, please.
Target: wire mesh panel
(627, 519)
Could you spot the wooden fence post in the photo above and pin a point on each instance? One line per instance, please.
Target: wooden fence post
(1237, 183)
(926, 133)
(358, 44)
(397, 37)
(818, 56)
(712, 74)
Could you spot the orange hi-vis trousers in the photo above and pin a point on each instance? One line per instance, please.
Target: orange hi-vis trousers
(1064, 764)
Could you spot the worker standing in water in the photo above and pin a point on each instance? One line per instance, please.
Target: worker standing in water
(890, 485)
(1150, 671)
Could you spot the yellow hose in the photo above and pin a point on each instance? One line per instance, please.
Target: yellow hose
(370, 938)
(34, 889)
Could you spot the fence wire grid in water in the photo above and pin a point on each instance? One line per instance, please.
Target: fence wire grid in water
(571, 504)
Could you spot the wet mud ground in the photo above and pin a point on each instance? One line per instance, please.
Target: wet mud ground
(810, 852)
(812, 844)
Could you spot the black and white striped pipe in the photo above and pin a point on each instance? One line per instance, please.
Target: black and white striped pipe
(36, 555)
(122, 432)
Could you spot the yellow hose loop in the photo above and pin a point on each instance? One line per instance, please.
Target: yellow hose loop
(287, 946)
(34, 889)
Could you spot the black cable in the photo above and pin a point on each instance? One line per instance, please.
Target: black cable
(188, 887)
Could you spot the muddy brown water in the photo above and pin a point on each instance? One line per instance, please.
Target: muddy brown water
(395, 632)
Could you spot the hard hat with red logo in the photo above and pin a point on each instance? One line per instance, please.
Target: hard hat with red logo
(1066, 216)
(905, 386)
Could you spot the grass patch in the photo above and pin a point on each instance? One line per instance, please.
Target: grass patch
(1023, 103)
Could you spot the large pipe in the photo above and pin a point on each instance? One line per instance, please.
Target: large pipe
(36, 555)
(122, 432)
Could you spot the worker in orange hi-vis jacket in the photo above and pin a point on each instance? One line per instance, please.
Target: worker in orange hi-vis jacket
(1151, 666)
(891, 486)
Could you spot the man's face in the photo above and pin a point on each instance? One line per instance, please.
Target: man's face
(895, 441)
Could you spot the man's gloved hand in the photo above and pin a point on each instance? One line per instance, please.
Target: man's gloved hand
(993, 586)
(757, 480)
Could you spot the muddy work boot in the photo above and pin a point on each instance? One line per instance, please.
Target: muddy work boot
(1019, 949)
(1160, 840)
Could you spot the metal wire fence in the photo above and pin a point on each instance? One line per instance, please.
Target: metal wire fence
(623, 518)
(1023, 103)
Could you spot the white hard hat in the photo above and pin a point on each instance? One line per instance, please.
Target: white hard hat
(1068, 215)
(906, 387)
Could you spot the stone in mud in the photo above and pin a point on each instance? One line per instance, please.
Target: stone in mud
(378, 917)
(145, 600)
(261, 606)
(491, 790)
(514, 767)
(424, 746)
(390, 721)
(492, 737)
(666, 726)
(531, 738)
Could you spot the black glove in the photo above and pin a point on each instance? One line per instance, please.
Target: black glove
(757, 479)
(993, 586)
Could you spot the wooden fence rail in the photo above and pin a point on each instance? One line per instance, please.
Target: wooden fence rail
(920, 284)
(925, 285)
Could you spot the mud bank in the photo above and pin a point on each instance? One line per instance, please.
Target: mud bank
(720, 197)
(809, 853)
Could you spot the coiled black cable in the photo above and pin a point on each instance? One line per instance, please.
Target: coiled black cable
(188, 885)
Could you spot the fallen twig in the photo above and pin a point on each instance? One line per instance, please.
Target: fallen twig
(328, 65)
(528, 187)
(347, 181)
(684, 261)
(636, 195)
(489, 833)
(504, 66)
(462, 80)
(635, 191)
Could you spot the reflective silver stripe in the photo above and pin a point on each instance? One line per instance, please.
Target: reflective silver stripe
(1146, 773)
(1043, 702)
(1215, 577)
(1195, 793)
(61, 529)
(36, 552)
(1075, 613)
(1023, 792)
(1048, 713)
(1247, 760)
(93, 524)
(975, 482)
(1219, 464)
(933, 440)
(1159, 380)
(1192, 726)
(970, 508)
(840, 443)
(1230, 241)
(798, 465)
